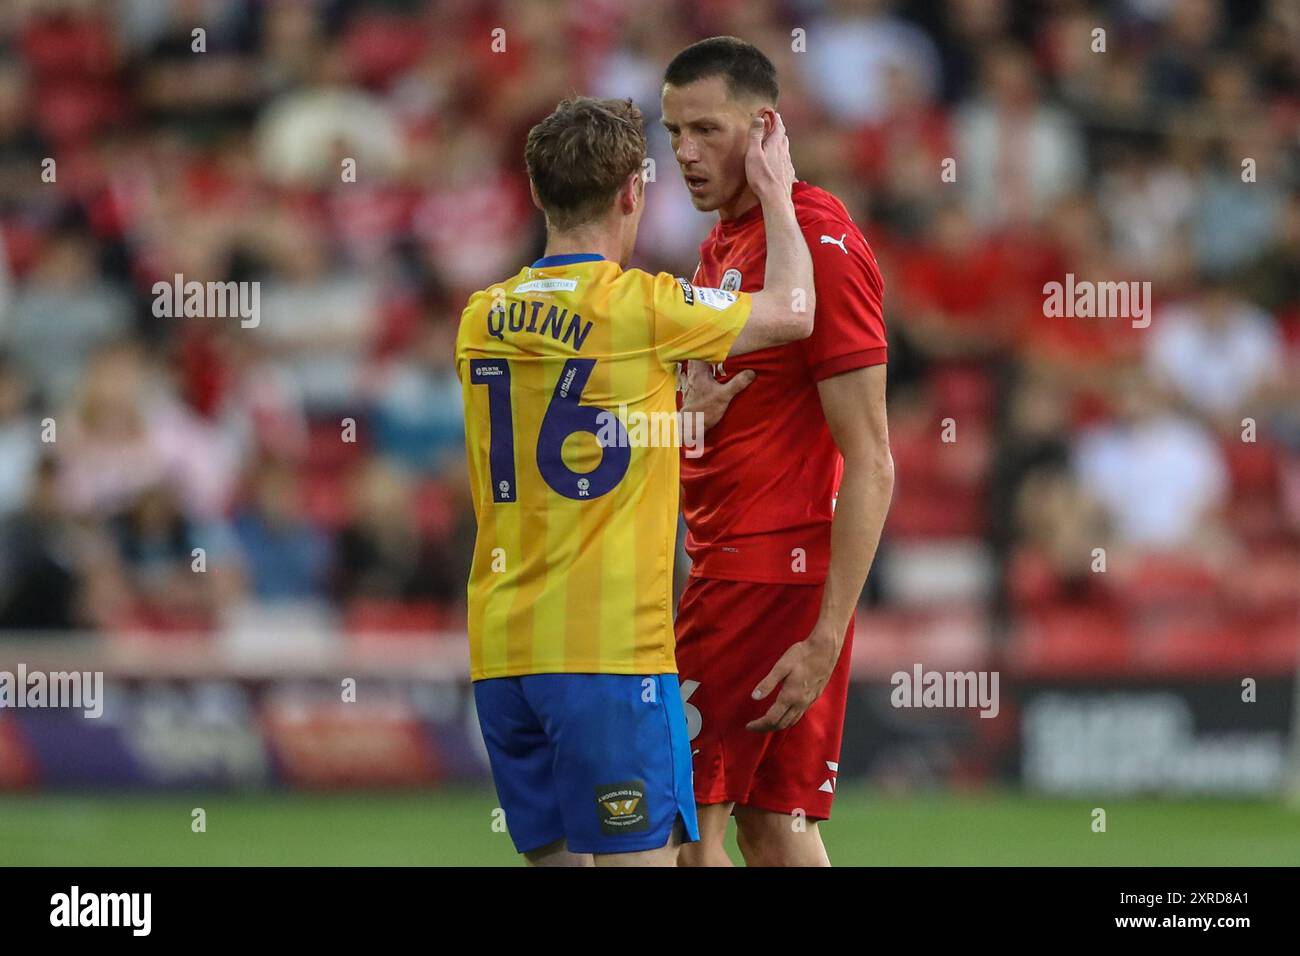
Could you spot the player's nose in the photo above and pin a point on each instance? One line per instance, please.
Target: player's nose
(686, 152)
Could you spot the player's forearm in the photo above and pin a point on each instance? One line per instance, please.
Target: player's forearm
(863, 502)
(782, 310)
(789, 267)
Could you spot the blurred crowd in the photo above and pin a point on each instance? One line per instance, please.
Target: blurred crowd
(178, 474)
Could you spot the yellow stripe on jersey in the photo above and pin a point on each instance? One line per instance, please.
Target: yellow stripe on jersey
(568, 373)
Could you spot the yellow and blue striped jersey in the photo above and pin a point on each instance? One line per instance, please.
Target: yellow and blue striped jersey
(568, 373)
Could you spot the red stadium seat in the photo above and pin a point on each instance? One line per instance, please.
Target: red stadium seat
(1164, 580)
(381, 46)
(1206, 643)
(435, 512)
(324, 497)
(1072, 640)
(1252, 465)
(965, 392)
(325, 449)
(371, 618)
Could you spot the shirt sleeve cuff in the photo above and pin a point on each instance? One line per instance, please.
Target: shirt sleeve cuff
(847, 363)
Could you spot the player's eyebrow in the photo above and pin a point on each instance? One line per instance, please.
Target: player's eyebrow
(692, 124)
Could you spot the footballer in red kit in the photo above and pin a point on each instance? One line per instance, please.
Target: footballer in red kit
(785, 505)
(758, 509)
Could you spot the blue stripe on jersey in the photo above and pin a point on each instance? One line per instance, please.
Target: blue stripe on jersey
(566, 259)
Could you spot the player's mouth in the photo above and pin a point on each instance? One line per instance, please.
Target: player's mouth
(696, 184)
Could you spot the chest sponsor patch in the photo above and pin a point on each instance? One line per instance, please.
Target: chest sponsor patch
(622, 808)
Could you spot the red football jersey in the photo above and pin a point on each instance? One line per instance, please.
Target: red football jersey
(758, 501)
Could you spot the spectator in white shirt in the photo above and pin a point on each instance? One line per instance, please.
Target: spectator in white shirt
(1159, 477)
(1217, 354)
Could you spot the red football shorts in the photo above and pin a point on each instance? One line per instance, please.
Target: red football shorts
(729, 634)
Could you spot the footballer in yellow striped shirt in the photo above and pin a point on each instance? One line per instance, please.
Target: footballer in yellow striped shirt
(568, 371)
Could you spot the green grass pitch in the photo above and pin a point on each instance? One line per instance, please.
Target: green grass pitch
(454, 827)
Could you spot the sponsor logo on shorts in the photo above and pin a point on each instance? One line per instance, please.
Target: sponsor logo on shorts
(622, 807)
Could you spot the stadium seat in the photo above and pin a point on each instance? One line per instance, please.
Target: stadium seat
(1071, 641)
(379, 619)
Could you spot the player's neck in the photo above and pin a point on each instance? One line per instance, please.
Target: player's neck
(743, 203)
(597, 241)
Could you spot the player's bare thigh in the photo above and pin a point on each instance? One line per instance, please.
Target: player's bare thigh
(557, 854)
(711, 848)
(778, 839)
(665, 855)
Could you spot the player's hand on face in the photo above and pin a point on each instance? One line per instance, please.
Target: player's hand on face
(767, 160)
(703, 393)
(802, 672)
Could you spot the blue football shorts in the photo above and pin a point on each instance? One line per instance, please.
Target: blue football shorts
(602, 761)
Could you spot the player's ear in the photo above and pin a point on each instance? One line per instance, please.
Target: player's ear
(630, 194)
(769, 120)
(532, 189)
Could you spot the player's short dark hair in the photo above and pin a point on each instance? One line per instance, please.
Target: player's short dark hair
(747, 69)
(581, 154)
